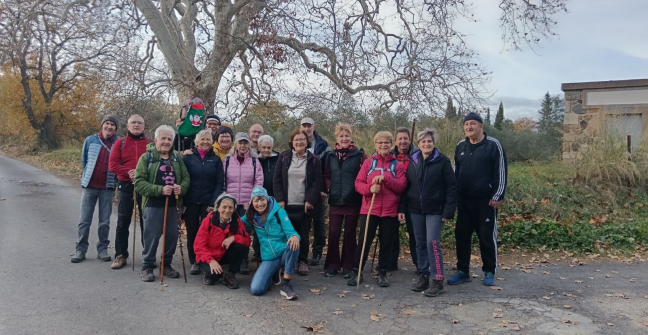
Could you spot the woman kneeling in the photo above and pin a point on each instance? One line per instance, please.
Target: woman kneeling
(221, 239)
(279, 242)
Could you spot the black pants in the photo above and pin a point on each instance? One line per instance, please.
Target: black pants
(387, 233)
(301, 222)
(233, 256)
(319, 230)
(124, 215)
(475, 215)
(193, 216)
(393, 260)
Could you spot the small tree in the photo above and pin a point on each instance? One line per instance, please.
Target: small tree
(451, 111)
(525, 123)
(487, 121)
(546, 114)
(499, 118)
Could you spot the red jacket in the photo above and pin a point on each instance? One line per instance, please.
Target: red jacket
(123, 161)
(208, 244)
(387, 200)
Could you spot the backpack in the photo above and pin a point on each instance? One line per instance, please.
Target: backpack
(192, 115)
(374, 163)
(227, 160)
(149, 157)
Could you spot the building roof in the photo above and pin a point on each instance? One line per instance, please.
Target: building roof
(604, 84)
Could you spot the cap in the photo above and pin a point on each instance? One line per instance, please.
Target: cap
(307, 120)
(241, 136)
(212, 117)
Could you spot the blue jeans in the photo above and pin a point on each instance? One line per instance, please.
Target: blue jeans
(263, 275)
(89, 198)
(427, 231)
(153, 224)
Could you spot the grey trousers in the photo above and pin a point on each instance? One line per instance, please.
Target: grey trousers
(153, 223)
(89, 198)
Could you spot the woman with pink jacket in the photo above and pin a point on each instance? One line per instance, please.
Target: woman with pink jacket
(242, 172)
(383, 176)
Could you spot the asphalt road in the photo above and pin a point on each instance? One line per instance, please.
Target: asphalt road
(41, 292)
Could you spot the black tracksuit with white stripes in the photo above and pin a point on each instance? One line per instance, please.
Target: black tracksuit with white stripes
(481, 172)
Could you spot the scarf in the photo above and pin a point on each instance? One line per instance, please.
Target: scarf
(343, 153)
(403, 158)
(233, 223)
(136, 137)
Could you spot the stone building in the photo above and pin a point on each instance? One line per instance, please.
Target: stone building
(614, 108)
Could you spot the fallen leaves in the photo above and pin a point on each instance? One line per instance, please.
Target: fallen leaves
(616, 295)
(632, 280)
(505, 268)
(375, 316)
(546, 298)
(315, 329)
(497, 315)
(248, 315)
(455, 321)
(567, 307)
(341, 295)
(409, 312)
(316, 291)
(496, 288)
(367, 297)
(338, 311)
(577, 281)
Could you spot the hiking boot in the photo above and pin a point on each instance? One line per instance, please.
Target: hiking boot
(103, 255)
(169, 272)
(459, 277)
(230, 280)
(78, 257)
(382, 278)
(120, 262)
(195, 269)
(353, 281)
(347, 274)
(436, 289)
(245, 267)
(276, 277)
(208, 279)
(302, 269)
(489, 279)
(330, 273)
(422, 284)
(316, 260)
(287, 290)
(147, 275)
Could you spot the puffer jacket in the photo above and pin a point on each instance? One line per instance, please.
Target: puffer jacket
(209, 240)
(89, 154)
(272, 234)
(239, 179)
(387, 200)
(206, 177)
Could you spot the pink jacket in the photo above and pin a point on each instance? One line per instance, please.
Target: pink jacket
(239, 179)
(387, 200)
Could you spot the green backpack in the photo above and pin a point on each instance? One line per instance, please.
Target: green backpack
(192, 115)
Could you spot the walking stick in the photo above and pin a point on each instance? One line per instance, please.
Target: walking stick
(364, 242)
(184, 270)
(135, 217)
(166, 207)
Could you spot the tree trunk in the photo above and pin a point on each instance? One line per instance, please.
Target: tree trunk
(46, 135)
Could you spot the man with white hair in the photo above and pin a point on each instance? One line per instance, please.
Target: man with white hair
(160, 176)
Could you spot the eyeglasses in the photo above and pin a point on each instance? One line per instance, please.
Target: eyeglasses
(299, 140)
(136, 122)
(383, 143)
(256, 132)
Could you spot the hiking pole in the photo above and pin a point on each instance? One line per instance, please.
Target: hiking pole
(135, 217)
(184, 270)
(166, 208)
(364, 242)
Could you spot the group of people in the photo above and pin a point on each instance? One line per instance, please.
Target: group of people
(236, 195)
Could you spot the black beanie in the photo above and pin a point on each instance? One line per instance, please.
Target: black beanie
(473, 116)
(212, 117)
(111, 118)
(224, 129)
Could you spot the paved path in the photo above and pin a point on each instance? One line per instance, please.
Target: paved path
(41, 292)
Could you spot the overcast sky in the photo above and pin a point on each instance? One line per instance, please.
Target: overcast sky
(598, 40)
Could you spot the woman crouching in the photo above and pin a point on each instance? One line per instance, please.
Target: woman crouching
(221, 239)
(279, 242)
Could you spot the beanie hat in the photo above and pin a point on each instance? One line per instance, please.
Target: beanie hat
(212, 117)
(224, 129)
(111, 118)
(259, 191)
(225, 196)
(473, 116)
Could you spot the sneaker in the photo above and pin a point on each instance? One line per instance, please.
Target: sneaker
(287, 291)
(208, 279)
(436, 289)
(103, 255)
(489, 279)
(230, 280)
(316, 260)
(276, 277)
(302, 269)
(382, 278)
(245, 267)
(422, 284)
(195, 269)
(147, 275)
(459, 277)
(347, 274)
(330, 273)
(353, 281)
(78, 257)
(120, 262)
(169, 272)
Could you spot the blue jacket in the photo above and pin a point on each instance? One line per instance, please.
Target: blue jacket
(272, 235)
(206, 177)
(91, 148)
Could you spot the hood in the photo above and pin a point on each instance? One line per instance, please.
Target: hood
(436, 155)
(217, 148)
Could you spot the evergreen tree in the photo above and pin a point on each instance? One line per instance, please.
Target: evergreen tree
(558, 110)
(546, 111)
(451, 111)
(487, 121)
(499, 117)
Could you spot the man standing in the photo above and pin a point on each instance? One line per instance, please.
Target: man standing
(402, 151)
(319, 147)
(159, 177)
(123, 160)
(98, 185)
(255, 132)
(213, 122)
(481, 170)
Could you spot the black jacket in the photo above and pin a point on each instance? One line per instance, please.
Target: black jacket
(206, 177)
(342, 178)
(481, 169)
(268, 165)
(314, 179)
(431, 186)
